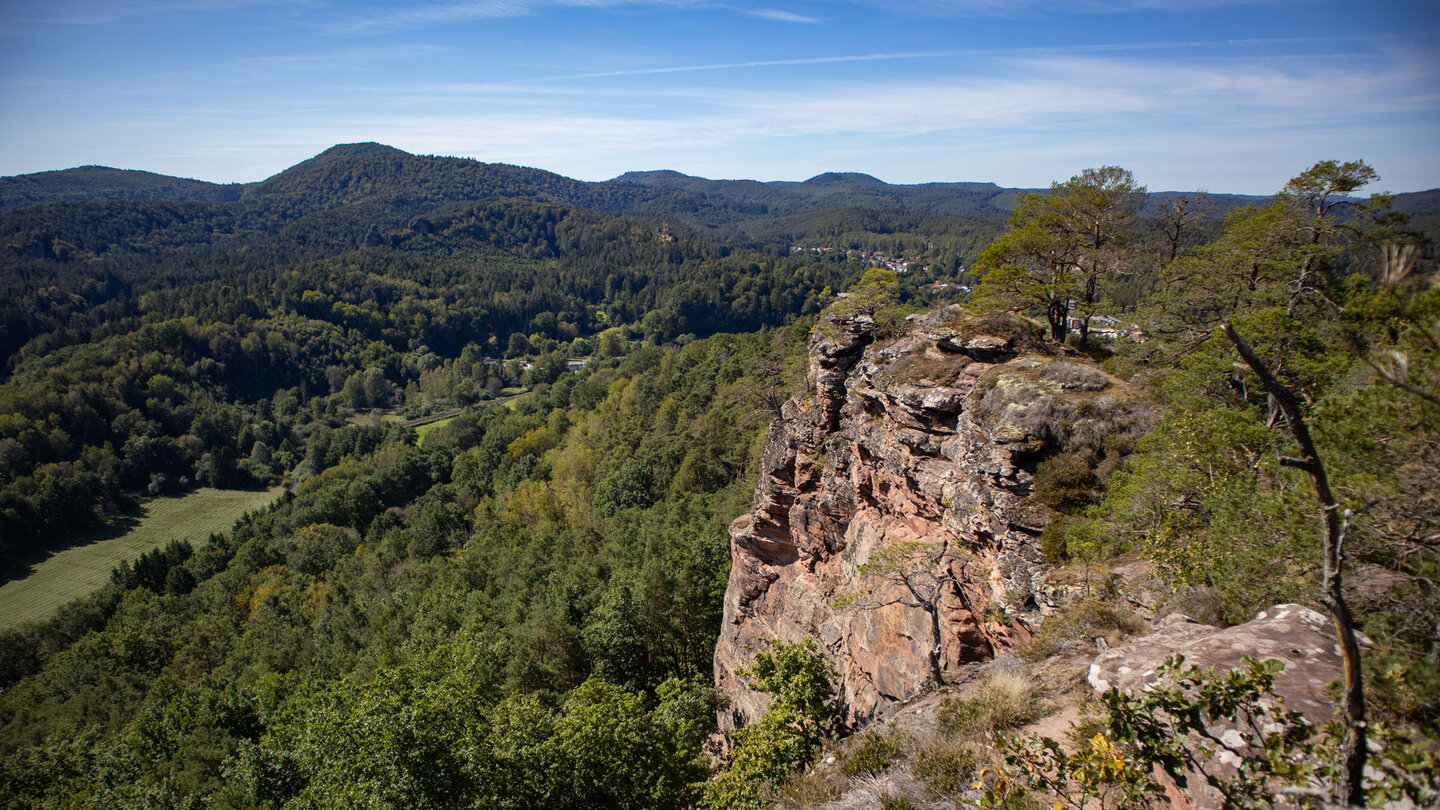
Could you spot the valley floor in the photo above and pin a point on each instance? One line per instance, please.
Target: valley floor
(85, 566)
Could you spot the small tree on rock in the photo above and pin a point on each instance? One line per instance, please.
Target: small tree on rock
(920, 574)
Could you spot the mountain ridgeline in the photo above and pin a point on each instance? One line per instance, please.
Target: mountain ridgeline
(516, 416)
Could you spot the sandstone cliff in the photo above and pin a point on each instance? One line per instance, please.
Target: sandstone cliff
(929, 436)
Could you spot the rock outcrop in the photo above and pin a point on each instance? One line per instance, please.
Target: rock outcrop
(1296, 636)
(929, 437)
(1299, 638)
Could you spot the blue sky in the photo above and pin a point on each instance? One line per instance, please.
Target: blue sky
(1225, 95)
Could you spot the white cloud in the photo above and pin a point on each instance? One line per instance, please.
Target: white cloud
(778, 14)
(1118, 47)
(402, 16)
(1234, 117)
(1032, 119)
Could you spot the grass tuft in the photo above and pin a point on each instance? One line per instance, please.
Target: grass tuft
(872, 753)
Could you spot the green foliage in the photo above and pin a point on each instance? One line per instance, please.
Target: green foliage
(181, 344)
(1062, 247)
(1176, 726)
(1205, 494)
(802, 710)
(871, 752)
(432, 626)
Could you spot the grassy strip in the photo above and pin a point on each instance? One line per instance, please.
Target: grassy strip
(421, 431)
(86, 565)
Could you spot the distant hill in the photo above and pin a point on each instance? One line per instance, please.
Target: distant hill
(89, 183)
(379, 185)
(838, 190)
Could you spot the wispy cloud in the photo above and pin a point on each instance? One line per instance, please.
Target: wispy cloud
(1046, 117)
(338, 59)
(1013, 8)
(778, 14)
(402, 16)
(950, 54)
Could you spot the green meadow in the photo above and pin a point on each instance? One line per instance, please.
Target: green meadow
(85, 566)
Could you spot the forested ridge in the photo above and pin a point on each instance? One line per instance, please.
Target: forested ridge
(520, 610)
(156, 353)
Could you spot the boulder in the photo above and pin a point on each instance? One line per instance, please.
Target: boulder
(1302, 639)
(1296, 636)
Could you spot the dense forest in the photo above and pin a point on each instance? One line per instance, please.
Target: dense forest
(520, 610)
(151, 346)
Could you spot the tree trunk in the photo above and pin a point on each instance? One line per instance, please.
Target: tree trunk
(1056, 312)
(1352, 785)
(1089, 301)
(937, 679)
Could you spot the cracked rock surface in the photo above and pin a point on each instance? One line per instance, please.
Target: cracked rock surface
(891, 444)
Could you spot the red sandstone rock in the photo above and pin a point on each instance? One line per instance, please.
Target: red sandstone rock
(887, 447)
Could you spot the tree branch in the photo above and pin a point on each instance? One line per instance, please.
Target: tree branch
(1352, 785)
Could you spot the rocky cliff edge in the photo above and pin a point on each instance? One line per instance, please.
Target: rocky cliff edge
(926, 434)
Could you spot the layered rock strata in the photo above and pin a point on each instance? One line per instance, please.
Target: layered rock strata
(928, 438)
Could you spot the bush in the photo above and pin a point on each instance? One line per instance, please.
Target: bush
(1052, 543)
(1075, 376)
(872, 753)
(1078, 625)
(1065, 482)
(802, 710)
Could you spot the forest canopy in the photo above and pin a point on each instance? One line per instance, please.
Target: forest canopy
(520, 608)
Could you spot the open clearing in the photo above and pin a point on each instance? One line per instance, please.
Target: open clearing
(85, 566)
(424, 430)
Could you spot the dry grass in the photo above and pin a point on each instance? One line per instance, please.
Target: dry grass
(926, 759)
(968, 732)
(919, 367)
(1076, 626)
(1023, 336)
(1005, 701)
(872, 751)
(1073, 376)
(812, 788)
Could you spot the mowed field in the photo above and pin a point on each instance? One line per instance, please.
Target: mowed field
(85, 566)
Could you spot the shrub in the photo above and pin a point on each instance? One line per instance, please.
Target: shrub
(1075, 376)
(1052, 543)
(1078, 625)
(802, 710)
(873, 752)
(1065, 482)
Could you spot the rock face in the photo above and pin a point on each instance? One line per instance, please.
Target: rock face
(1300, 638)
(928, 437)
